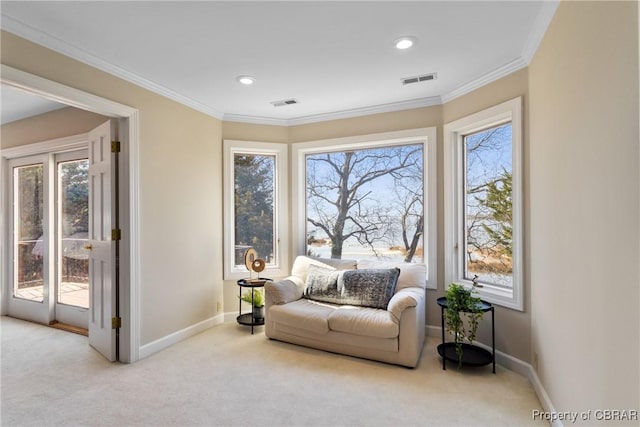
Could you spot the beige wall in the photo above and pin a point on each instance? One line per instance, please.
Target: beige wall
(180, 191)
(364, 125)
(254, 132)
(584, 207)
(54, 124)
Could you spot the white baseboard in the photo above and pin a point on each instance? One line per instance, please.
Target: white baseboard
(171, 339)
(543, 396)
(513, 364)
(230, 316)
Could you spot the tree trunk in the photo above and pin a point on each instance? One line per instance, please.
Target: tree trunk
(336, 248)
(416, 238)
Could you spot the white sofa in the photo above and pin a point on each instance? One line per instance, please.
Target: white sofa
(392, 335)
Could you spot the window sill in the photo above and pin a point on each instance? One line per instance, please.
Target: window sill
(495, 295)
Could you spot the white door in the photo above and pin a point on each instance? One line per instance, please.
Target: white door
(102, 244)
(49, 225)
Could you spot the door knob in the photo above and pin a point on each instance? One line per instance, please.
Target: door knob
(88, 247)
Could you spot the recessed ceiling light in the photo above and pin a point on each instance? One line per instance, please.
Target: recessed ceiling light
(405, 42)
(245, 80)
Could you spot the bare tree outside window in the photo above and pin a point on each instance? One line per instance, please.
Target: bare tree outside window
(366, 203)
(488, 205)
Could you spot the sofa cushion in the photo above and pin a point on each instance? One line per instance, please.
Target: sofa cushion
(338, 342)
(302, 263)
(411, 274)
(365, 321)
(368, 288)
(284, 291)
(322, 285)
(304, 314)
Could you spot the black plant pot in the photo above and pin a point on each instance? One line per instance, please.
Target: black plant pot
(258, 312)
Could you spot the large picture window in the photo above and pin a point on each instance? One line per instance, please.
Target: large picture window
(368, 198)
(483, 203)
(255, 206)
(366, 203)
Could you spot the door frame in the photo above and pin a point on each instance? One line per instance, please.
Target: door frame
(129, 336)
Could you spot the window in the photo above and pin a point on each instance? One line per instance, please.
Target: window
(28, 230)
(255, 203)
(368, 198)
(483, 203)
(73, 229)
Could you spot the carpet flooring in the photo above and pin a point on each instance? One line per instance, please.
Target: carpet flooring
(227, 377)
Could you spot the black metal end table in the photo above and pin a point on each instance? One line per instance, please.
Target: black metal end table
(247, 318)
(472, 355)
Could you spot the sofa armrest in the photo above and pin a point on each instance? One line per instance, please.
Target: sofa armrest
(285, 290)
(405, 298)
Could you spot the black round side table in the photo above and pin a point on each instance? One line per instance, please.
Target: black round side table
(472, 355)
(247, 318)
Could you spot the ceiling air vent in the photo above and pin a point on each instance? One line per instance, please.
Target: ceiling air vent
(284, 102)
(418, 79)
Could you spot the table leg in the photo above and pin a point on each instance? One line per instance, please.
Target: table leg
(493, 338)
(444, 359)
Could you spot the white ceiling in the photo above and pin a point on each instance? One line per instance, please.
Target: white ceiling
(336, 58)
(17, 104)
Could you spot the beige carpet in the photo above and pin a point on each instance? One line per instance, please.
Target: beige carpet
(227, 377)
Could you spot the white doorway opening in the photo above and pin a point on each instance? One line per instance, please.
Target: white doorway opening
(128, 125)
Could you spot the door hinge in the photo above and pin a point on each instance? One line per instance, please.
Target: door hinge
(116, 234)
(116, 322)
(115, 146)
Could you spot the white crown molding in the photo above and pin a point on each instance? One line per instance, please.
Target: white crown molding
(484, 80)
(546, 14)
(337, 115)
(365, 111)
(256, 120)
(51, 42)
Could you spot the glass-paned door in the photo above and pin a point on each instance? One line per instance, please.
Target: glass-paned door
(49, 223)
(72, 237)
(28, 233)
(71, 284)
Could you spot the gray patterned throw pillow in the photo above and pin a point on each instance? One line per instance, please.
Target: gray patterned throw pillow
(368, 287)
(322, 285)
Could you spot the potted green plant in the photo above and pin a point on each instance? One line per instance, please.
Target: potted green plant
(255, 297)
(463, 303)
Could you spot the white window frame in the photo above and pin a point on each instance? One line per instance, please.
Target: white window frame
(454, 191)
(425, 136)
(281, 207)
